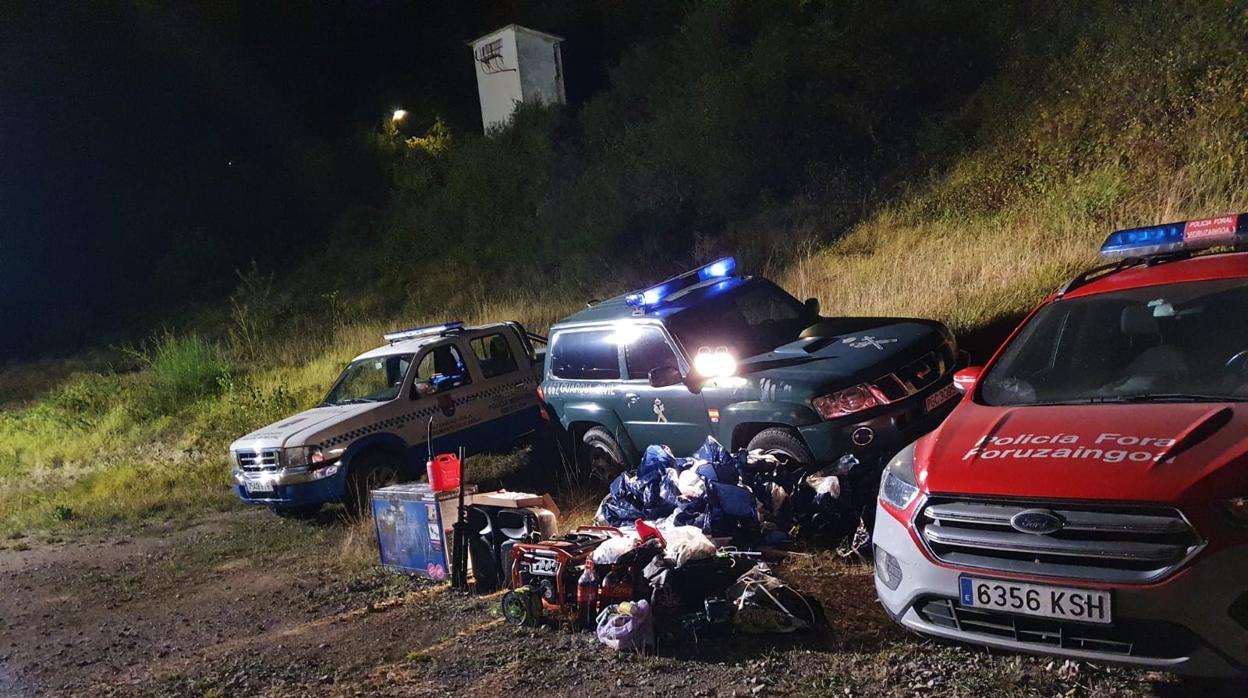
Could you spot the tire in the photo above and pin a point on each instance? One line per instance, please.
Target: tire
(600, 456)
(370, 472)
(305, 512)
(786, 446)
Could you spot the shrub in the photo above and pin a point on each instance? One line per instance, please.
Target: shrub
(84, 398)
(178, 371)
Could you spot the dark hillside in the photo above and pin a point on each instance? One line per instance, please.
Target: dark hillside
(947, 160)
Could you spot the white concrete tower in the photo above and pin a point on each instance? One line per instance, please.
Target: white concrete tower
(516, 64)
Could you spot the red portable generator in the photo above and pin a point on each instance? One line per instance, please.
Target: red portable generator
(544, 574)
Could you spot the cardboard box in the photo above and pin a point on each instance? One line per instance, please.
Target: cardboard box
(514, 500)
(413, 523)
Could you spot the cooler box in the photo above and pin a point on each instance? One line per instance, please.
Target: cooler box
(414, 528)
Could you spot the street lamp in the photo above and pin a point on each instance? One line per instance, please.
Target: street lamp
(398, 115)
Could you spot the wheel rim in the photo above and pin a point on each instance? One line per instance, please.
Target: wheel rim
(515, 608)
(380, 476)
(602, 465)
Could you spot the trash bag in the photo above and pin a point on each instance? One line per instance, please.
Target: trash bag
(824, 518)
(734, 501)
(669, 488)
(616, 511)
(716, 464)
(626, 626)
(687, 543)
(610, 550)
(690, 484)
(655, 462)
(633, 497)
(824, 484)
(733, 512)
(764, 604)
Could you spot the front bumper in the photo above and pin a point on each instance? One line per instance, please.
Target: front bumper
(291, 487)
(890, 427)
(1180, 625)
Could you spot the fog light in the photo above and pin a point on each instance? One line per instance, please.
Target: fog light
(862, 436)
(887, 568)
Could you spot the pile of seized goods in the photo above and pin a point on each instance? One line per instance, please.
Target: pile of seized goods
(633, 587)
(750, 498)
(670, 557)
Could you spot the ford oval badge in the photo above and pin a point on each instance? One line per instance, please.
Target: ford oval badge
(1037, 521)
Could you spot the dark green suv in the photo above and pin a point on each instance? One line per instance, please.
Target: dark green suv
(710, 352)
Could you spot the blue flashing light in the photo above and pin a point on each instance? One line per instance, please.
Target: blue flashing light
(1177, 237)
(426, 331)
(720, 268)
(1144, 241)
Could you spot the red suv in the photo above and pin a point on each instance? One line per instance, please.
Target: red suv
(1088, 497)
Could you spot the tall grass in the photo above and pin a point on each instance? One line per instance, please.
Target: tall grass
(1111, 124)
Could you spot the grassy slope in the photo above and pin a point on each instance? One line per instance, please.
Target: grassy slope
(1130, 126)
(1135, 126)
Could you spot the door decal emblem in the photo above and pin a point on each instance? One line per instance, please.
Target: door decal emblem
(658, 412)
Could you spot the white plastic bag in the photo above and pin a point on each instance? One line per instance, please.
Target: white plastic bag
(825, 484)
(686, 543)
(611, 549)
(690, 484)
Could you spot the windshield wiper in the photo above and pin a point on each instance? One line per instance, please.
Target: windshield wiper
(1146, 397)
(1181, 397)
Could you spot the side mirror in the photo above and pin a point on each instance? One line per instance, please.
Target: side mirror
(812, 305)
(663, 376)
(966, 379)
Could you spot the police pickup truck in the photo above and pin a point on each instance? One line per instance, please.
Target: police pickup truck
(467, 386)
(711, 352)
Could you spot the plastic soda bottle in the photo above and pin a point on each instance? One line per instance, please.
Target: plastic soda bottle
(587, 596)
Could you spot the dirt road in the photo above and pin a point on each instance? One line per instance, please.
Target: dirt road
(244, 604)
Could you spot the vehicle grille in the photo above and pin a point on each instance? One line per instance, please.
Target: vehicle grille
(1098, 542)
(257, 461)
(1133, 638)
(914, 376)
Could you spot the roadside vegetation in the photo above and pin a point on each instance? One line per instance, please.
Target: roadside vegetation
(872, 180)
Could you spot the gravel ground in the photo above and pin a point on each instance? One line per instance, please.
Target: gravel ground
(242, 604)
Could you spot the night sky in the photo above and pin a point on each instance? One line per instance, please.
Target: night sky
(148, 149)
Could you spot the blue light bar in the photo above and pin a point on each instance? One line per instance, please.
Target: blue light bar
(719, 269)
(422, 331)
(1184, 236)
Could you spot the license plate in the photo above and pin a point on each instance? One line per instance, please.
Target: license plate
(940, 397)
(254, 486)
(1065, 603)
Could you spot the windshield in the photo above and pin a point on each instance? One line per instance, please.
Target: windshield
(751, 319)
(370, 380)
(1179, 342)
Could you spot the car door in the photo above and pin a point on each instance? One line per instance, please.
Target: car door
(507, 389)
(440, 385)
(670, 415)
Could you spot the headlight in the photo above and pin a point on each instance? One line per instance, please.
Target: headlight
(327, 471)
(715, 364)
(899, 487)
(1237, 510)
(848, 401)
(296, 456)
